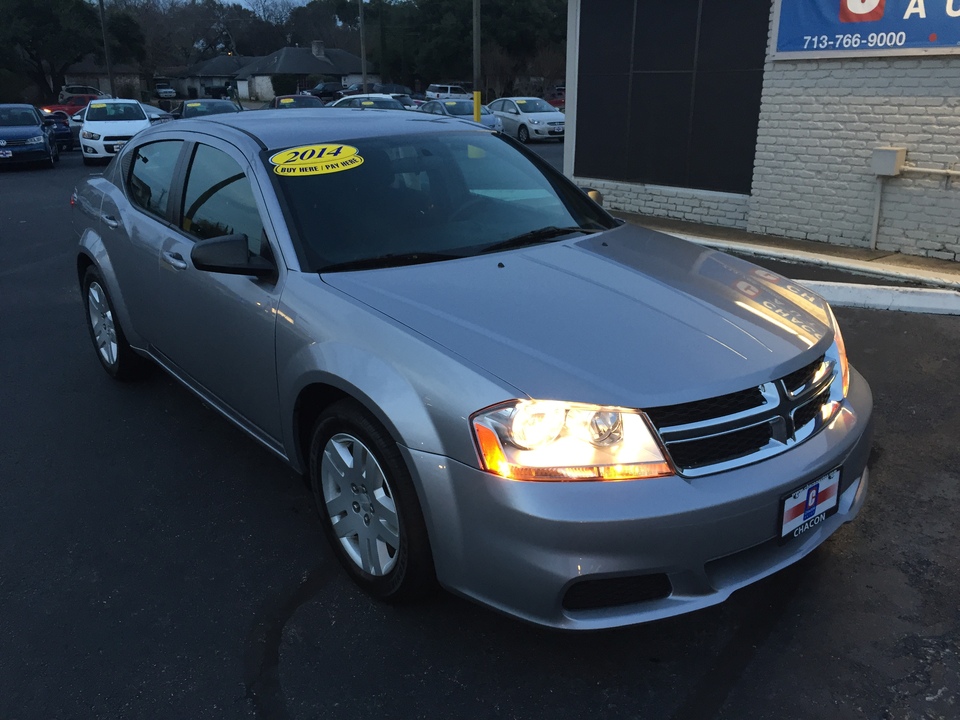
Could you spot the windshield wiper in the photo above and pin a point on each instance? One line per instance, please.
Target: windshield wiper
(535, 236)
(389, 260)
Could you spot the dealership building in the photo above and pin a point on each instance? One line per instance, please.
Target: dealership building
(836, 121)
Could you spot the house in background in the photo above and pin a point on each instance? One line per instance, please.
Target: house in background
(128, 79)
(255, 80)
(209, 77)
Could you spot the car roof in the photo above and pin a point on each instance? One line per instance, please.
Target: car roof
(278, 129)
(113, 101)
(19, 106)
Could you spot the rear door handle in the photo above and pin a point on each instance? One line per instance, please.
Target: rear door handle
(174, 260)
(111, 222)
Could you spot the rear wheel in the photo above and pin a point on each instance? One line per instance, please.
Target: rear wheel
(523, 135)
(114, 353)
(368, 504)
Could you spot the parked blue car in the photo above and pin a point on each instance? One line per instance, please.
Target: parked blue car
(25, 136)
(61, 130)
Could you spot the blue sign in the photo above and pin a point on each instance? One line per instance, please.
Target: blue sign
(821, 28)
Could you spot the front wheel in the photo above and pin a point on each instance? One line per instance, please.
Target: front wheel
(368, 504)
(523, 135)
(114, 353)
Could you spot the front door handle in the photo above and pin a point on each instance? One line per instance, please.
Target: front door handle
(111, 222)
(174, 260)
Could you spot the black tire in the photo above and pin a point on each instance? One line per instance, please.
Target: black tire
(56, 152)
(404, 570)
(523, 135)
(121, 362)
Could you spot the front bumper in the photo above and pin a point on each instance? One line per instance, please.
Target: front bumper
(100, 148)
(519, 547)
(24, 153)
(548, 131)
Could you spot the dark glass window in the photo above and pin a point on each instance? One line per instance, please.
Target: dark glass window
(151, 175)
(218, 199)
(669, 91)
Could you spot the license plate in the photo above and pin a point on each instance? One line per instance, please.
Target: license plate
(807, 507)
(6, 153)
(557, 131)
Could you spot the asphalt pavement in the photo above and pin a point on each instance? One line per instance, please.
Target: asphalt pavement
(156, 563)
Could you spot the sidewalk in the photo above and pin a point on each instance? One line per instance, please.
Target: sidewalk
(940, 279)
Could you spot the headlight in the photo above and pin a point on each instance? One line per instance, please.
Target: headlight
(87, 135)
(535, 122)
(35, 140)
(838, 353)
(558, 441)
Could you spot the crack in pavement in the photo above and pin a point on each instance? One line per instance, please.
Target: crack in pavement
(261, 657)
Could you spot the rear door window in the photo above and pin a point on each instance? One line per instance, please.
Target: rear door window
(151, 175)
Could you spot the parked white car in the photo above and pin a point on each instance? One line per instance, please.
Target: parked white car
(163, 90)
(529, 118)
(107, 125)
(447, 92)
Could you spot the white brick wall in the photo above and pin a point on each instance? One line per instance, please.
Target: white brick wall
(819, 122)
(701, 206)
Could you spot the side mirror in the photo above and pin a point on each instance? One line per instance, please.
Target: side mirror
(594, 195)
(229, 254)
(77, 118)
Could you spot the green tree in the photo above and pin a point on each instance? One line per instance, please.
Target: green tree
(127, 43)
(50, 35)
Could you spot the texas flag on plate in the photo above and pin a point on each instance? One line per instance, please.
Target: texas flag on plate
(808, 506)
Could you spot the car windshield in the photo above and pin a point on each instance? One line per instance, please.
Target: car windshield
(535, 105)
(216, 107)
(110, 112)
(383, 201)
(300, 101)
(382, 103)
(463, 107)
(17, 117)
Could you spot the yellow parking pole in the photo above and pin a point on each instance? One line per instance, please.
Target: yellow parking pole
(476, 106)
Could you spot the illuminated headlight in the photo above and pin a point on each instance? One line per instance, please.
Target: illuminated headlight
(556, 441)
(838, 354)
(87, 135)
(536, 122)
(35, 140)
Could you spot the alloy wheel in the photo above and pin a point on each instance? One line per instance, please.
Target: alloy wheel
(101, 322)
(361, 504)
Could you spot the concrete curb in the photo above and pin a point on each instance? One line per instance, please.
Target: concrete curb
(883, 297)
(863, 267)
(944, 299)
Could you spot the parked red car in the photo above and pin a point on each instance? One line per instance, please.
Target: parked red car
(72, 105)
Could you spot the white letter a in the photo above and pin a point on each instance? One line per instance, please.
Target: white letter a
(916, 8)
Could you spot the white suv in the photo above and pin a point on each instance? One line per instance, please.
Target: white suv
(447, 92)
(163, 90)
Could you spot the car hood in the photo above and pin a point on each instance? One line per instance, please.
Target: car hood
(115, 127)
(624, 317)
(20, 132)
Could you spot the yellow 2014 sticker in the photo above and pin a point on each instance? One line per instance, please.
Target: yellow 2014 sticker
(98, 105)
(193, 104)
(315, 160)
(286, 101)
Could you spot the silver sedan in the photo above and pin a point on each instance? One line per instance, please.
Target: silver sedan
(489, 381)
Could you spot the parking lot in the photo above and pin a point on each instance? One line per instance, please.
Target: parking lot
(156, 563)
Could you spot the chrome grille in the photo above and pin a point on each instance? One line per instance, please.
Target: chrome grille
(15, 143)
(721, 433)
